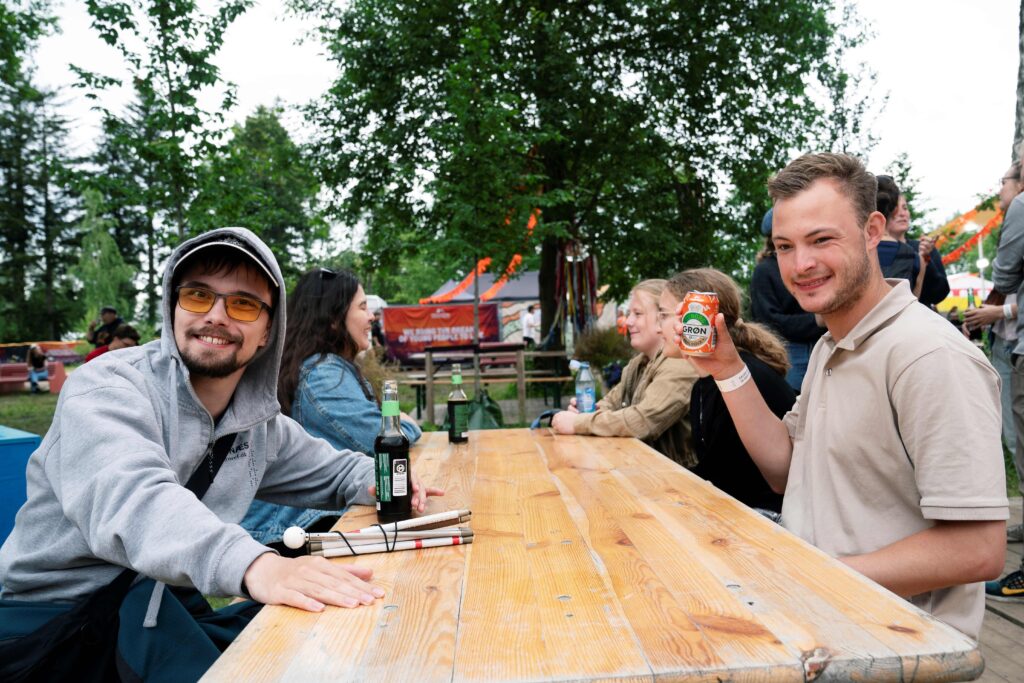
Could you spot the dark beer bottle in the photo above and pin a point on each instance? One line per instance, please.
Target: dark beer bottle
(458, 409)
(391, 461)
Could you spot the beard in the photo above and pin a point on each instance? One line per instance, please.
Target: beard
(209, 363)
(850, 287)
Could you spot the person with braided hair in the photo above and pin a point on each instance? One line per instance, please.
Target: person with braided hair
(721, 457)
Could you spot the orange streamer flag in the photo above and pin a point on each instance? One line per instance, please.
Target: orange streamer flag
(481, 266)
(956, 226)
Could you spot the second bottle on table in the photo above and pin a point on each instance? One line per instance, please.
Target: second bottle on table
(458, 409)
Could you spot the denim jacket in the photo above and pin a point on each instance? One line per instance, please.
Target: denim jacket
(329, 403)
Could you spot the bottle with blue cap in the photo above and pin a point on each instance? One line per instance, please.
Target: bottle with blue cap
(586, 389)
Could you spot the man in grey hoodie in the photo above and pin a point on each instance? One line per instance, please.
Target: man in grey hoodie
(106, 486)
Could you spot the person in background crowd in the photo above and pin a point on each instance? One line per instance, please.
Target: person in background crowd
(721, 457)
(36, 361)
(934, 285)
(897, 259)
(1008, 278)
(652, 400)
(377, 332)
(101, 335)
(321, 386)
(871, 457)
(529, 324)
(1003, 340)
(620, 321)
(771, 304)
(125, 336)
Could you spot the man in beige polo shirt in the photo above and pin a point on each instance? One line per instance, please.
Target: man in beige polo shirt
(890, 460)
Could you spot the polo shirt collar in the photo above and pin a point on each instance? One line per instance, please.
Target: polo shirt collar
(891, 305)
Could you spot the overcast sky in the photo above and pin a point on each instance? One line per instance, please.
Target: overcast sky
(949, 67)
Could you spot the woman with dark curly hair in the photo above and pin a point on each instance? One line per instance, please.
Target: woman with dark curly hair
(320, 384)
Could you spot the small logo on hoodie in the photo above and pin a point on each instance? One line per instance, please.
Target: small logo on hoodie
(239, 451)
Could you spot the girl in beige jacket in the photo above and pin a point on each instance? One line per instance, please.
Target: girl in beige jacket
(652, 401)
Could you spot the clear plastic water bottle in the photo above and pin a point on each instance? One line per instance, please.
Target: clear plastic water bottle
(586, 394)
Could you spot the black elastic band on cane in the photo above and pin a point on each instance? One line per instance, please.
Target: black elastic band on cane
(350, 548)
(394, 538)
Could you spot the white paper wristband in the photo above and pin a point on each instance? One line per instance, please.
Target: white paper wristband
(734, 382)
(1008, 311)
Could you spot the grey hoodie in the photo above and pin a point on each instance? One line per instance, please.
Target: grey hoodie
(106, 486)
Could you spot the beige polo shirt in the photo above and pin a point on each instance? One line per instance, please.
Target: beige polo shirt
(897, 425)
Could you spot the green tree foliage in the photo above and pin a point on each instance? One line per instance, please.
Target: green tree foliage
(127, 182)
(260, 180)
(36, 241)
(643, 130)
(22, 22)
(103, 276)
(168, 47)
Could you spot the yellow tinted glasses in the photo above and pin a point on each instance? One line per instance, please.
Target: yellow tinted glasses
(239, 307)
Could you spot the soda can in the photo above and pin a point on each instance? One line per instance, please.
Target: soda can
(698, 312)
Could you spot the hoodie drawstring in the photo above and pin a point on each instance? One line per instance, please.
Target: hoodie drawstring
(172, 391)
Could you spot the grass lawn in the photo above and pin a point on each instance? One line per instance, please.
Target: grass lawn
(28, 412)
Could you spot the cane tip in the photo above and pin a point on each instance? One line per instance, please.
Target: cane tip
(294, 537)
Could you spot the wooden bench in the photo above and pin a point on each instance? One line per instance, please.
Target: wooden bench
(498, 352)
(13, 377)
(418, 381)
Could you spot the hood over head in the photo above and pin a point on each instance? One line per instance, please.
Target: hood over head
(255, 397)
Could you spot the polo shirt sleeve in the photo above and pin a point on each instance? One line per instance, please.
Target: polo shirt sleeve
(947, 411)
(792, 418)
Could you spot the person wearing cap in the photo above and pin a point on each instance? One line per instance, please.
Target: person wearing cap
(771, 304)
(111, 486)
(101, 335)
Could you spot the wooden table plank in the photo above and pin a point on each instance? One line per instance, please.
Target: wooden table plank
(697, 617)
(599, 559)
(548, 592)
(847, 621)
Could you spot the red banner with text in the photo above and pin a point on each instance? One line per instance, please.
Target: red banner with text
(410, 329)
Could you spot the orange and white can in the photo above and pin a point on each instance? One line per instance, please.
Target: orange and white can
(697, 313)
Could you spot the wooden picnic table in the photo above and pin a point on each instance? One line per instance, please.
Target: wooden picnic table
(599, 559)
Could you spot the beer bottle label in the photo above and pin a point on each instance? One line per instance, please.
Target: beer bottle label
(384, 493)
(461, 419)
(400, 481)
(389, 409)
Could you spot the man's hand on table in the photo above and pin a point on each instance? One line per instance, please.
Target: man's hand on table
(309, 582)
(420, 494)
